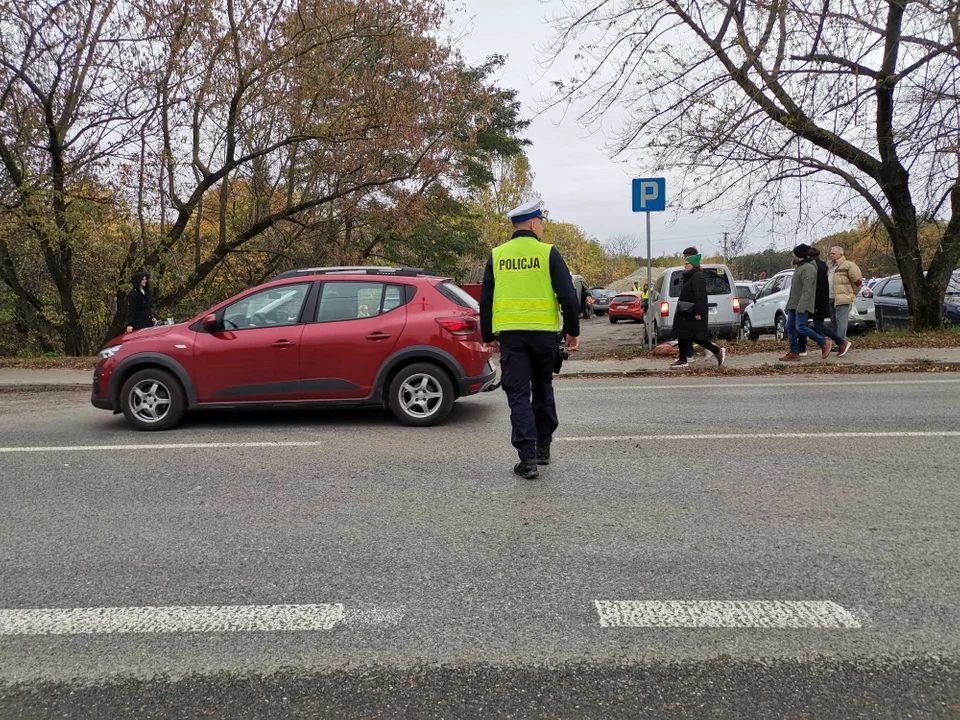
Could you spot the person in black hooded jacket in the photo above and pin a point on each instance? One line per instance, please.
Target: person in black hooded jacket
(692, 326)
(140, 304)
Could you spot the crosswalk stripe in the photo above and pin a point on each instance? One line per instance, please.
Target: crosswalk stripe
(207, 619)
(768, 614)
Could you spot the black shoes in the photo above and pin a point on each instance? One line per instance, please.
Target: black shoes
(526, 470)
(543, 456)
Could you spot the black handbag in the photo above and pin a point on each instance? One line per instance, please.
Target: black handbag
(685, 309)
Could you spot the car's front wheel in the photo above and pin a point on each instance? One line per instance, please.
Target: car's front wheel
(748, 329)
(421, 395)
(152, 399)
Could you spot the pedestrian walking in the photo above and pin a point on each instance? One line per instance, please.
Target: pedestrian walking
(822, 309)
(801, 303)
(523, 282)
(140, 303)
(645, 297)
(845, 281)
(690, 324)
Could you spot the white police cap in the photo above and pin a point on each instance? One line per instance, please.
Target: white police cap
(528, 211)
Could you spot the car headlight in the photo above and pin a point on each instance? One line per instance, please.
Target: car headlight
(110, 352)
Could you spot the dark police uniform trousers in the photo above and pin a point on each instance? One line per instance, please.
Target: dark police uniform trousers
(526, 372)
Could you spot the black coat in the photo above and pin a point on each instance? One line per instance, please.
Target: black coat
(694, 289)
(139, 305)
(822, 309)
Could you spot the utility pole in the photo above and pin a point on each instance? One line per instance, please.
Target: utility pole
(725, 233)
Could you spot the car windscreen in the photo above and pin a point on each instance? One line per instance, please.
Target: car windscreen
(458, 295)
(718, 283)
(745, 293)
(624, 298)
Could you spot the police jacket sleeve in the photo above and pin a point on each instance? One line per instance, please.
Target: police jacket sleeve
(486, 303)
(563, 287)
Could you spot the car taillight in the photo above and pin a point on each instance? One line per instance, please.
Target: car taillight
(458, 326)
(736, 305)
(664, 309)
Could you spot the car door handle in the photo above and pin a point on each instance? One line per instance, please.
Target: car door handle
(283, 344)
(377, 336)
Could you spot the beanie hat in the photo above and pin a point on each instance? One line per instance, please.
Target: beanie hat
(694, 259)
(802, 250)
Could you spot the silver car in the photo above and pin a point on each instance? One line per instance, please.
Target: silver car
(723, 303)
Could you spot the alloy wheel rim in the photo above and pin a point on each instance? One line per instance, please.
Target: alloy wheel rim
(421, 395)
(150, 401)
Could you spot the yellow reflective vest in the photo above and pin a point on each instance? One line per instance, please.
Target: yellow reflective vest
(523, 295)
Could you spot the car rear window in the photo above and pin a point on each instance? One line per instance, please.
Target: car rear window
(718, 283)
(456, 294)
(624, 298)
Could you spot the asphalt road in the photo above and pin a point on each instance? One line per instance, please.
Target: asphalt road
(451, 588)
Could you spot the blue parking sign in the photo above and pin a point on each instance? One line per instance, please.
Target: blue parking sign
(649, 194)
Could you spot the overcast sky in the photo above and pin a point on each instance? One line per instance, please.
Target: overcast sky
(576, 178)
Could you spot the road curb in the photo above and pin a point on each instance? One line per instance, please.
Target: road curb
(43, 387)
(768, 370)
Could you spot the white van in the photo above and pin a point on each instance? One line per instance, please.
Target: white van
(723, 302)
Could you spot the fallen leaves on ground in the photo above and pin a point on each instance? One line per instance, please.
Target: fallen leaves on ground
(48, 363)
(777, 369)
(897, 340)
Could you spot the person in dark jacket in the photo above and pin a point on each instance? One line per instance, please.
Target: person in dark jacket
(690, 326)
(822, 310)
(140, 304)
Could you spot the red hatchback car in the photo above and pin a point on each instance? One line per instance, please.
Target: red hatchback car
(626, 306)
(393, 337)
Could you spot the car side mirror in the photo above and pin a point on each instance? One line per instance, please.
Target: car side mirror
(209, 323)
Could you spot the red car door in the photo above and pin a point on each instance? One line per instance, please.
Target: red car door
(357, 325)
(255, 353)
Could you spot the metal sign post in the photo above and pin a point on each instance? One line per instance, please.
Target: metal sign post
(649, 195)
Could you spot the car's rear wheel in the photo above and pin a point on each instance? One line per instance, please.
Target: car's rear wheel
(613, 319)
(748, 329)
(152, 399)
(421, 395)
(781, 327)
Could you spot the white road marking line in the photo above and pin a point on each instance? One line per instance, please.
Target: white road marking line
(167, 446)
(214, 618)
(723, 386)
(585, 438)
(767, 614)
(760, 436)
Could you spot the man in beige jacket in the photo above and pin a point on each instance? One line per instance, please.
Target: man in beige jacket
(845, 281)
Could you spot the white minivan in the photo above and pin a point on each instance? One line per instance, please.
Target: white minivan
(723, 302)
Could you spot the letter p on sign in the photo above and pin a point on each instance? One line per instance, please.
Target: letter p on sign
(649, 194)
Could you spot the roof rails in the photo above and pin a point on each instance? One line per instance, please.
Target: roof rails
(352, 270)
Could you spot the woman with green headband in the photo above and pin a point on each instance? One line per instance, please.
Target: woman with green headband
(690, 322)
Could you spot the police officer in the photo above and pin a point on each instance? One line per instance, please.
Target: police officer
(522, 283)
(645, 297)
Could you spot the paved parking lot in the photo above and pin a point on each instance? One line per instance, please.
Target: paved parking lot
(742, 544)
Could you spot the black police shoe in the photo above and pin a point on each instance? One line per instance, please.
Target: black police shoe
(526, 470)
(543, 456)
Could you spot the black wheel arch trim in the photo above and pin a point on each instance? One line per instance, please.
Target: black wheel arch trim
(150, 358)
(424, 353)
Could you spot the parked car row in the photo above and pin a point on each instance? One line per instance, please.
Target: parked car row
(892, 308)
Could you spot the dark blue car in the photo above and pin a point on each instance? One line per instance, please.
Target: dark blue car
(892, 310)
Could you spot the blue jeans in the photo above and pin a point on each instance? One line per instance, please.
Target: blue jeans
(797, 328)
